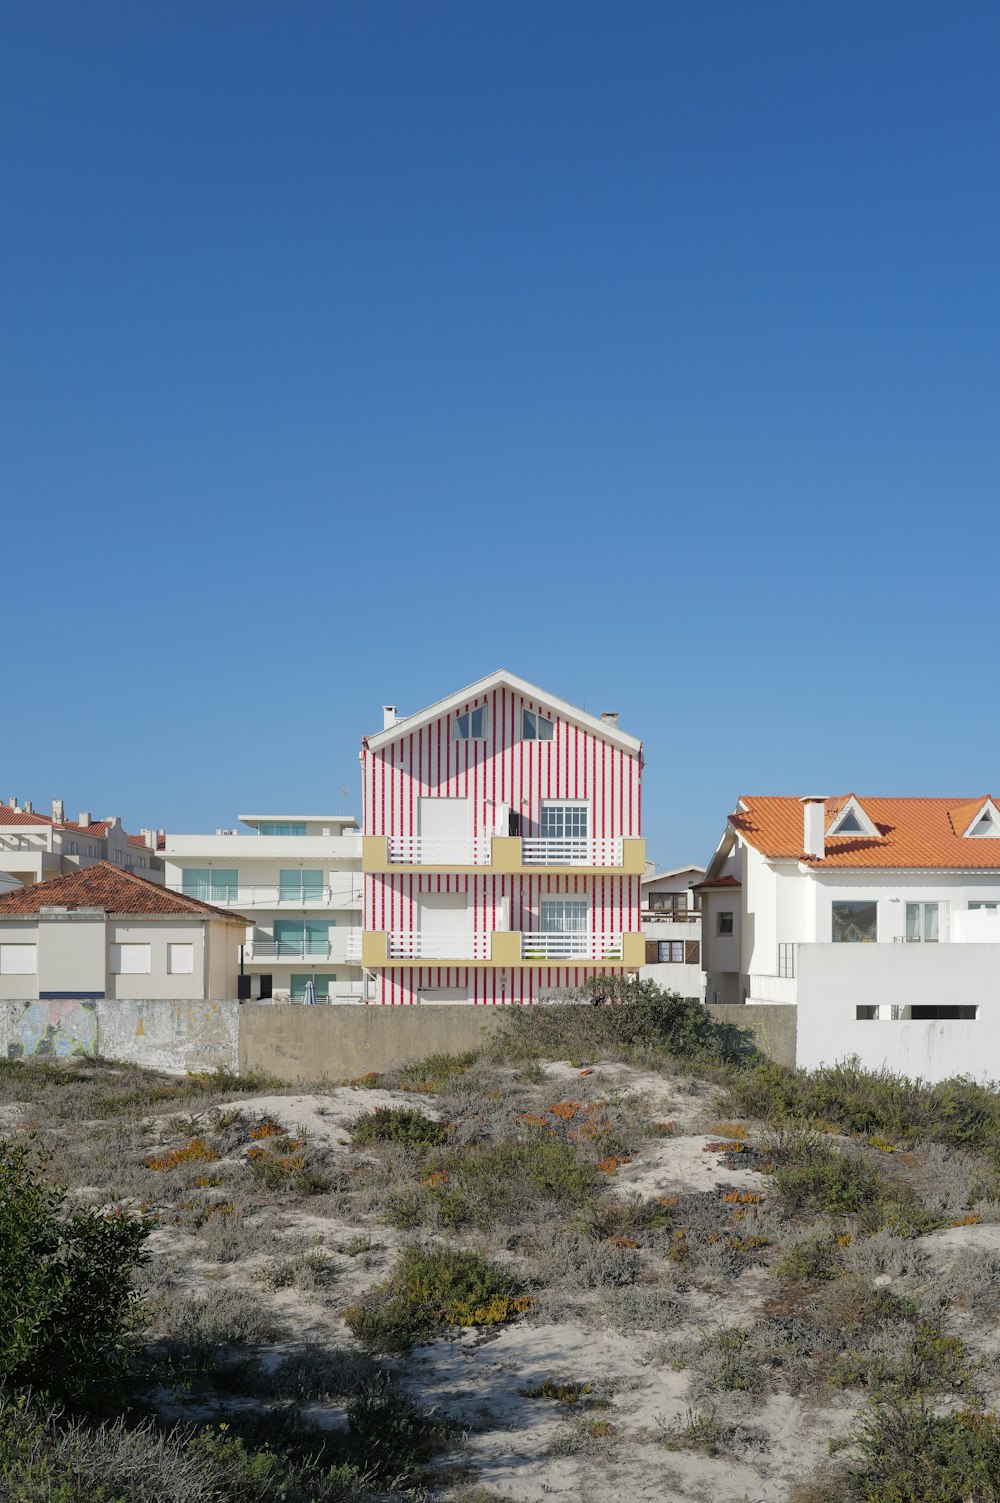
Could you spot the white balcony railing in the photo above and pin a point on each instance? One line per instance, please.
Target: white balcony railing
(571, 946)
(353, 946)
(257, 895)
(437, 944)
(440, 850)
(546, 851)
(773, 989)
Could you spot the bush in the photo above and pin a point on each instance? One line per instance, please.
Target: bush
(67, 1297)
(912, 1455)
(431, 1290)
(398, 1124)
(491, 1182)
(645, 1025)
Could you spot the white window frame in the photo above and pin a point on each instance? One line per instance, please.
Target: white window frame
(565, 803)
(9, 955)
(943, 906)
(180, 944)
(118, 956)
(582, 898)
(458, 717)
(539, 720)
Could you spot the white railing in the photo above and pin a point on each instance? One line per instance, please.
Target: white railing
(437, 944)
(666, 916)
(546, 851)
(440, 850)
(353, 948)
(256, 895)
(775, 989)
(571, 946)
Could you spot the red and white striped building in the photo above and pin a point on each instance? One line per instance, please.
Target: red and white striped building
(501, 850)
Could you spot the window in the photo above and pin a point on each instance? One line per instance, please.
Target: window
(668, 902)
(670, 952)
(18, 960)
(535, 727)
(91, 850)
(849, 825)
(180, 960)
(471, 726)
(298, 886)
(320, 979)
(130, 960)
(855, 923)
(724, 923)
(211, 884)
(984, 826)
(73, 848)
(944, 1011)
(302, 936)
(565, 821)
(922, 922)
(564, 915)
(991, 907)
(281, 827)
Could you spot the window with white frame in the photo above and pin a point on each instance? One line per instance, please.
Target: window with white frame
(471, 726)
(564, 821)
(180, 959)
(131, 960)
(535, 727)
(72, 848)
(924, 921)
(563, 915)
(18, 960)
(849, 825)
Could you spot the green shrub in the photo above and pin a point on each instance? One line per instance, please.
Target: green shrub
(67, 1297)
(398, 1124)
(812, 1262)
(912, 1455)
(430, 1290)
(644, 1024)
(490, 1182)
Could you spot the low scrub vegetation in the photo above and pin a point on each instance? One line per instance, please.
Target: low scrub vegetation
(432, 1289)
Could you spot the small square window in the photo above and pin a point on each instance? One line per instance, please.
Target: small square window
(724, 924)
(180, 959)
(471, 726)
(535, 727)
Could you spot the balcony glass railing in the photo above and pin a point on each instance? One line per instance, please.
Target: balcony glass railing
(257, 895)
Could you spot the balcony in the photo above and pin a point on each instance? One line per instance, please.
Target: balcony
(438, 850)
(257, 895)
(652, 916)
(431, 944)
(551, 948)
(504, 855)
(339, 949)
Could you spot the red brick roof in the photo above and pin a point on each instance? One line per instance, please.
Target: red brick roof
(913, 833)
(108, 887)
(718, 882)
(9, 816)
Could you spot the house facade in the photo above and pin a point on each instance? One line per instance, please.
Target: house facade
(35, 847)
(502, 850)
(862, 912)
(295, 880)
(671, 927)
(104, 934)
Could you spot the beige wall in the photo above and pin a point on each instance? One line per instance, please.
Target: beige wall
(20, 932)
(224, 942)
(71, 952)
(157, 982)
(309, 1043)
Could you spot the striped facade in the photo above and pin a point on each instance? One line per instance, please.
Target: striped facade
(584, 763)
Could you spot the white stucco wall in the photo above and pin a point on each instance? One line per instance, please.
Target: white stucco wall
(833, 980)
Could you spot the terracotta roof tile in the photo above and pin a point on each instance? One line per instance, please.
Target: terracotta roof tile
(718, 882)
(914, 833)
(9, 816)
(108, 887)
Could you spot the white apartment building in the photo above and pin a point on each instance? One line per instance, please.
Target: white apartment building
(671, 926)
(878, 918)
(296, 880)
(35, 847)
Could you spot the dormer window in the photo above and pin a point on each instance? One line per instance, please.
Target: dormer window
(849, 825)
(471, 726)
(851, 819)
(535, 727)
(984, 826)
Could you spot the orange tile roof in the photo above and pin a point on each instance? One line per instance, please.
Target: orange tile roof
(718, 882)
(9, 816)
(914, 832)
(108, 887)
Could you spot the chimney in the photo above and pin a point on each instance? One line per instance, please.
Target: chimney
(84, 820)
(12, 802)
(813, 826)
(610, 717)
(149, 836)
(388, 716)
(58, 812)
(29, 807)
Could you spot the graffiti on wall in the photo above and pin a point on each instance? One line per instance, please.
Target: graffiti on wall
(58, 1028)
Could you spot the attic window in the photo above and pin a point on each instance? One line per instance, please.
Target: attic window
(535, 727)
(471, 726)
(984, 826)
(849, 825)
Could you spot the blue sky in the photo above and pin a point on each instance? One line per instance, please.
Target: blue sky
(350, 351)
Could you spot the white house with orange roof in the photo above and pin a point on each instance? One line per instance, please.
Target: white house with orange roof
(35, 847)
(878, 918)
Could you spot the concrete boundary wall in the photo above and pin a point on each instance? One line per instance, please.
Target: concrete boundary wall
(161, 1035)
(774, 1027)
(341, 1043)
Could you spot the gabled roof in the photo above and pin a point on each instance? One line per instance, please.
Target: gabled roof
(108, 887)
(675, 871)
(9, 816)
(502, 679)
(718, 882)
(913, 833)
